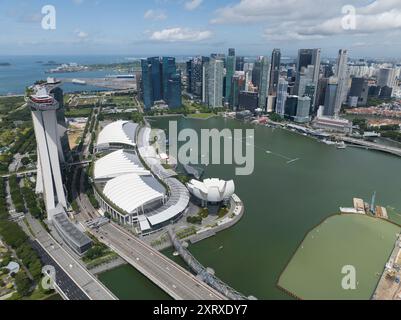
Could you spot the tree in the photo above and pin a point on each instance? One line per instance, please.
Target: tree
(23, 283)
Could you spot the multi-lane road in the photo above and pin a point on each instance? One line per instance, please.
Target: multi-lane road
(82, 284)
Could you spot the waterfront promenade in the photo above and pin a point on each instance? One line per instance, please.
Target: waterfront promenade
(371, 145)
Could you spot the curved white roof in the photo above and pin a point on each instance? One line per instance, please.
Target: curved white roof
(129, 192)
(212, 190)
(116, 164)
(121, 132)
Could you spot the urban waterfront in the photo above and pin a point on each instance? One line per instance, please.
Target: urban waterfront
(283, 202)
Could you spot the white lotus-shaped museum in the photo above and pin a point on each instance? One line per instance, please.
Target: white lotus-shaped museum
(212, 190)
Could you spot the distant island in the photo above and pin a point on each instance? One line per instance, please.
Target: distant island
(51, 63)
(5, 64)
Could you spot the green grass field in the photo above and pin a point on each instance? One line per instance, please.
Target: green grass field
(314, 272)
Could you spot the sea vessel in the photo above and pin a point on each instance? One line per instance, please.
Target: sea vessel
(341, 145)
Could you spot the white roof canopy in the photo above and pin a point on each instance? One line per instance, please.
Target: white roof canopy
(130, 192)
(212, 190)
(119, 132)
(118, 163)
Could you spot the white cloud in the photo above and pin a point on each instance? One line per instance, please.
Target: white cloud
(193, 4)
(310, 19)
(155, 15)
(180, 35)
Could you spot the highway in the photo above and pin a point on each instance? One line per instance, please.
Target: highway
(90, 286)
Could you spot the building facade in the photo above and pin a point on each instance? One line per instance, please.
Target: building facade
(214, 72)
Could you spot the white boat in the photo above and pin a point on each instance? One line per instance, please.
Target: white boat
(328, 142)
(77, 81)
(341, 145)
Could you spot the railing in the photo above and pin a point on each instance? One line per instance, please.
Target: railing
(203, 272)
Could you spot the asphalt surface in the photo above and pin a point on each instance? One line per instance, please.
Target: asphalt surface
(63, 281)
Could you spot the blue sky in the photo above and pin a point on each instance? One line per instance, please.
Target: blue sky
(189, 27)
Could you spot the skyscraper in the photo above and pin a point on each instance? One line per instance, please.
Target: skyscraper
(309, 57)
(330, 97)
(173, 94)
(291, 105)
(358, 94)
(50, 152)
(189, 76)
(168, 70)
(342, 78)
(275, 71)
(303, 110)
(239, 64)
(237, 85)
(386, 77)
(263, 81)
(146, 84)
(214, 83)
(156, 78)
(57, 93)
(230, 70)
(196, 76)
(282, 93)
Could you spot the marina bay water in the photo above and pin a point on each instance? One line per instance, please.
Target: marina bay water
(297, 183)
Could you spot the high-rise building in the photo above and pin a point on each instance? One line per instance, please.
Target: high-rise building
(62, 127)
(237, 85)
(189, 76)
(174, 97)
(50, 152)
(386, 92)
(195, 76)
(256, 71)
(309, 57)
(230, 70)
(275, 71)
(205, 65)
(168, 70)
(358, 95)
(248, 101)
(330, 97)
(214, 72)
(321, 93)
(156, 78)
(282, 93)
(146, 85)
(387, 77)
(303, 79)
(291, 105)
(303, 110)
(263, 86)
(342, 80)
(240, 63)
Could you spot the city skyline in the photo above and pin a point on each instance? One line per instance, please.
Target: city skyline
(179, 27)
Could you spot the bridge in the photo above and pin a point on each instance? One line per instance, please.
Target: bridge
(205, 274)
(371, 145)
